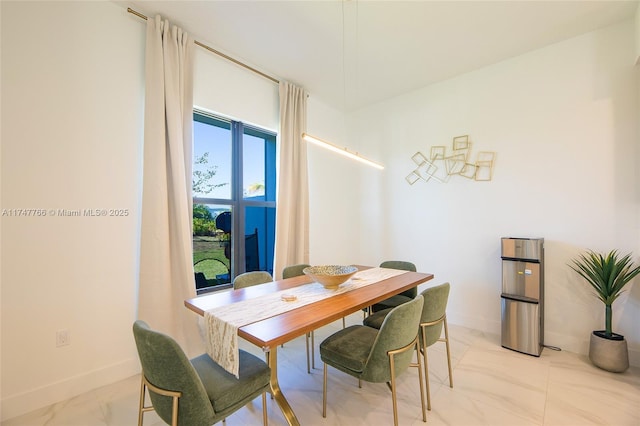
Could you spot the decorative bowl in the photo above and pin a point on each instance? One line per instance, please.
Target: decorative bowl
(330, 276)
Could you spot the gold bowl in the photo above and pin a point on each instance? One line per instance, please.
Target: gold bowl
(330, 276)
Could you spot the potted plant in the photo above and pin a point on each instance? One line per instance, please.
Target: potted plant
(607, 274)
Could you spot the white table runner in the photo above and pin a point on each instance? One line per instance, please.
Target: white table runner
(222, 323)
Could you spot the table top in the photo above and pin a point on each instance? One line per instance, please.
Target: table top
(289, 325)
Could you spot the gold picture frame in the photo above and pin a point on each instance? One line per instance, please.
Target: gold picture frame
(460, 142)
(438, 152)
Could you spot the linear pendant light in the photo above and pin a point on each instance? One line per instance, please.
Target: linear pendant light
(328, 145)
(342, 151)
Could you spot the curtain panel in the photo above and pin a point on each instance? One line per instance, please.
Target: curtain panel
(166, 252)
(292, 213)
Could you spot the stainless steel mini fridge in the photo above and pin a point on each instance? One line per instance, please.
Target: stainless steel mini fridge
(523, 294)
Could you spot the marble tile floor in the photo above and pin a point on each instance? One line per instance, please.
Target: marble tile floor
(492, 386)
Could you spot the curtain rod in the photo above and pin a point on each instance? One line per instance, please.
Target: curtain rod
(212, 50)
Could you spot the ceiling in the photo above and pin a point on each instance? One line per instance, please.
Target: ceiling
(353, 53)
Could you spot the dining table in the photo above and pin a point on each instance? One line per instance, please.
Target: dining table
(269, 333)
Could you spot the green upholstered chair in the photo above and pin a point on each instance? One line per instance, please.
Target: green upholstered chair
(251, 278)
(294, 270)
(196, 392)
(434, 317)
(401, 298)
(374, 355)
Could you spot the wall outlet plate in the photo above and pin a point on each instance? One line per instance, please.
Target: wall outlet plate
(62, 338)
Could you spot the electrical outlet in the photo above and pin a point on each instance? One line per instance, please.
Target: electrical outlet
(62, 338)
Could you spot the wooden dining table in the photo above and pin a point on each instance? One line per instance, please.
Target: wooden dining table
(271, 332)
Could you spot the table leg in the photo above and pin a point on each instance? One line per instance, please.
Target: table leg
(276, 392)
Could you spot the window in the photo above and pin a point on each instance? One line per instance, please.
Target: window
(234, 194)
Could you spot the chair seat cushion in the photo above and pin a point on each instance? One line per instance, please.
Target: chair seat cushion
(376, 320)
(223, 389)
(391, 302)
(349, 347)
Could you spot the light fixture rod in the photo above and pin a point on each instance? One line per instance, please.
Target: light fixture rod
(342, 151)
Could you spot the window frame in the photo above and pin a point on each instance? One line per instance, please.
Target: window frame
(237, 203)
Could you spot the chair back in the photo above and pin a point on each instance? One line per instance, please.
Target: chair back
(435, 307)
(166, 366)
(398, 330)
(404, 266)
(251, 278)
(294, 270)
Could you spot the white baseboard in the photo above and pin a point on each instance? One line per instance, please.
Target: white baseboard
(486, 325)
(567, 343)
(17, 405)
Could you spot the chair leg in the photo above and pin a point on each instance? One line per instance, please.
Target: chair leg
(392, 368)
(266, 357)
(424, 413)
(313, 350)
(413, 346)
(174, 412)
(446, 337)
(174, 395)
(324, 392)
(311, 358)
(142, 396)
(393, 389)
(264, 408)
(308, 360)
(344, 324)
(426, 375)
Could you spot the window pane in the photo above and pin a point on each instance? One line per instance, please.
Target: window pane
(211, 245)
(212, 150)
(259, 166)
(253, 168)
(260, 225)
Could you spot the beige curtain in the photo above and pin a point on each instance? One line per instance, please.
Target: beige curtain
(292, 217)
(166, 258)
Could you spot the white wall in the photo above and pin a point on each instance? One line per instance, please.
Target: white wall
(334, 190)
(232, 91)
(563, 122)
(72, 127)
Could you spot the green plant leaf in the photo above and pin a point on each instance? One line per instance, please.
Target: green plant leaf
(607, 275)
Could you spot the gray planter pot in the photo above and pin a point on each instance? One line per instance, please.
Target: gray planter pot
(609, 354)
